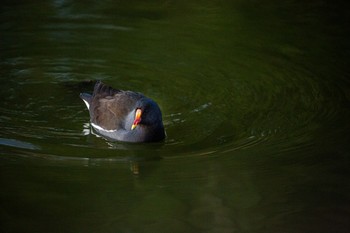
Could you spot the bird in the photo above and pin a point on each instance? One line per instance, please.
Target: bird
(125, 116)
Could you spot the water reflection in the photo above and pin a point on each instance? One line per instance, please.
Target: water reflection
(255, 100)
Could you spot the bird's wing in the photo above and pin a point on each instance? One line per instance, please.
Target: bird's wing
(110, 107)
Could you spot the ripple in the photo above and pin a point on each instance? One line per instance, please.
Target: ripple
(242, 99)
(18, 144)
(272, 109)
(75, 26)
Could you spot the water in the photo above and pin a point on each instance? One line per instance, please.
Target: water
(255, 99)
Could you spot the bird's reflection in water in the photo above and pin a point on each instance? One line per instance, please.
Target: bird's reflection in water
(134, 168)
(134, 154)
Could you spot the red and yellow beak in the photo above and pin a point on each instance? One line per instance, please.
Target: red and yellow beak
(137, 118)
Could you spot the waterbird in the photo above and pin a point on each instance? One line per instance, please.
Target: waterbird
(127, 116)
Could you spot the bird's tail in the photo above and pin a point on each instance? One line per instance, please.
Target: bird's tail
(86, 98)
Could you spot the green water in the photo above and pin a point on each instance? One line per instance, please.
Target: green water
(256, 106)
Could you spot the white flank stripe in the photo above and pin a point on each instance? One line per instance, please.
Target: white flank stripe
(102, 129)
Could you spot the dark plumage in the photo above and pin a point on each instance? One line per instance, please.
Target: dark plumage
(124, 115)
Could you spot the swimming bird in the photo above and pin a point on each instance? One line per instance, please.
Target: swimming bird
(121, 115)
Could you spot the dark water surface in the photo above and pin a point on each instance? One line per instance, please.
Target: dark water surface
(255, 100)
